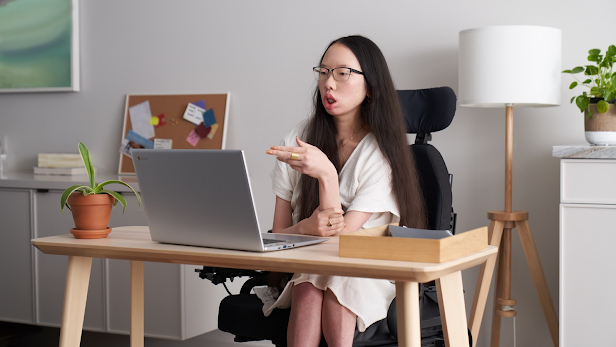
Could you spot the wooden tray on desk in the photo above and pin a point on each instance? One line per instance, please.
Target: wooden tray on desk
(377, 243)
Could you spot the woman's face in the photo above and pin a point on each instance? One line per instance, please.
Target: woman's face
(342, 98)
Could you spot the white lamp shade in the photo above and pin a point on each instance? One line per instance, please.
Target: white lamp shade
(501, 65)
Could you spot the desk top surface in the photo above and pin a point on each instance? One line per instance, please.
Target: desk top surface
(134, 243)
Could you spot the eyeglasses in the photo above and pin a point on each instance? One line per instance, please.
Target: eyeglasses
(341, 74)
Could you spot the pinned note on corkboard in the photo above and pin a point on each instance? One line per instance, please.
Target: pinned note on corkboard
(172, 121)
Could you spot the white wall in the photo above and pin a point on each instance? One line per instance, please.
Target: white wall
(262, 51)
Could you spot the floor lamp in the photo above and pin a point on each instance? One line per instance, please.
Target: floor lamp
(510, 66)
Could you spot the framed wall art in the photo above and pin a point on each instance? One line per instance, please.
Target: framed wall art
(39, 45)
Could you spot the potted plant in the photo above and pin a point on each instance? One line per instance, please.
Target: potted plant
(91, 205)
(598, 101)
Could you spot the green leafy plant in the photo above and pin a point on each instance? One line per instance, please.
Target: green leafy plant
(94, 188)
(601, 80)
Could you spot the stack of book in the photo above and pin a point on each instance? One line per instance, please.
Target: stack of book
(59, 164)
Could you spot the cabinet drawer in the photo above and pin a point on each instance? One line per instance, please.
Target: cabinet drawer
(588, 181)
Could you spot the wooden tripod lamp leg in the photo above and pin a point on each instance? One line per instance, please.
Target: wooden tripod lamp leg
(536, 270)
(75, 296)
(519, 221)
(483, 282)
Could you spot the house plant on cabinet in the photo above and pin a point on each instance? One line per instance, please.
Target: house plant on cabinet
(91, 205)
(598, 102)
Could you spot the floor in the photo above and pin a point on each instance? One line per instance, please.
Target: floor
(22, 335)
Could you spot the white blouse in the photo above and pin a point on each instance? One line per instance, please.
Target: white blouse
(364, 180)
(365, 186)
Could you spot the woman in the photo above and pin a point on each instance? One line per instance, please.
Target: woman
(336, 174)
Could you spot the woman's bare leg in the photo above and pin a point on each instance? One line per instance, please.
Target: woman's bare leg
(338, 322)
(305, 320)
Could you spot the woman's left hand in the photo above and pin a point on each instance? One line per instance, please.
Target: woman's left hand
(306, 159)
(328, 222)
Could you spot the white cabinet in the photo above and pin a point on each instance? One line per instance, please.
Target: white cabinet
(178, 304)
(587, 256)
(16, 277)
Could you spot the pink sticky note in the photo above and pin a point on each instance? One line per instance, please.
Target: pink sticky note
(193, 138)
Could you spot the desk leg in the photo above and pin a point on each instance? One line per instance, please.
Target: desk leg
(136, 304)
(453, 312)
(407, 307)
(75, 295)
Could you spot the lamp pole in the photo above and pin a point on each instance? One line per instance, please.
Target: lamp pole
(508, 157)
(503, 304)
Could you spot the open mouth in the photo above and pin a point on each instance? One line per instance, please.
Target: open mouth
(330, 99)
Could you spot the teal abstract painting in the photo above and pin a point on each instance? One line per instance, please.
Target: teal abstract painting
(38, 45)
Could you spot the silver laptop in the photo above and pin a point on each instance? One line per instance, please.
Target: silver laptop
(203, 198)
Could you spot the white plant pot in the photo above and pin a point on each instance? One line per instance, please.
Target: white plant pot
(601, 138)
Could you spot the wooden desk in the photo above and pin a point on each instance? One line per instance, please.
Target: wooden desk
(134, 244)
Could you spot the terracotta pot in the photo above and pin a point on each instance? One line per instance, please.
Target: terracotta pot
(600, 128)
(91, 215)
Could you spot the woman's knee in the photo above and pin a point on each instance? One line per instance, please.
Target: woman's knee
(306, 291)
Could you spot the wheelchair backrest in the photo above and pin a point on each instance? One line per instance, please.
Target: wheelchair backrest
(426, 111)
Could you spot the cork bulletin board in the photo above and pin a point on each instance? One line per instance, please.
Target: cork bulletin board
(172, 121)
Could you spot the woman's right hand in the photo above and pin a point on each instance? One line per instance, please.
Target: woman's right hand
(309, 160)
(328, 222)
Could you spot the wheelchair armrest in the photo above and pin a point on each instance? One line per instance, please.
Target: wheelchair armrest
(254, 282)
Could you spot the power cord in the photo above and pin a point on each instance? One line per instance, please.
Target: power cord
(511, 308)
(514, 333)
(227, 289)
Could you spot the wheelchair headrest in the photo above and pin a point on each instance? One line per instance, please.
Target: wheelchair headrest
(427, 110)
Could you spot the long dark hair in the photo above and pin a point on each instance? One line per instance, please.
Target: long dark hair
(382, 115)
